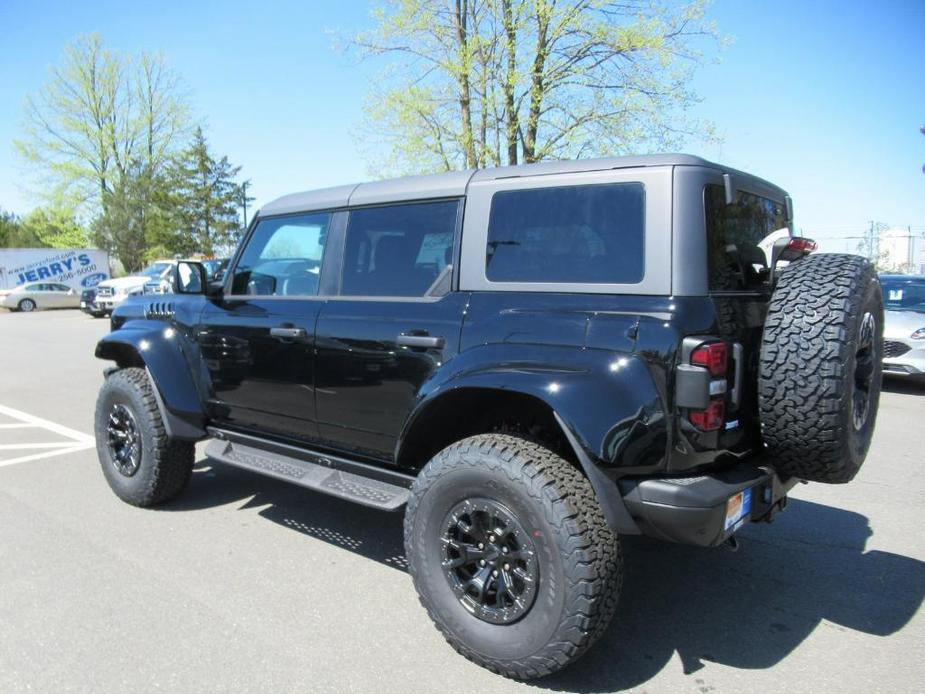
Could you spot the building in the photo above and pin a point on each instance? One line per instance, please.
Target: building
(902, 250)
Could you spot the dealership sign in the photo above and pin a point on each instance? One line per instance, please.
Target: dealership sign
(77, 268)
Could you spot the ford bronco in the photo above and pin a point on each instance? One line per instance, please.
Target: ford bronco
(532, 361)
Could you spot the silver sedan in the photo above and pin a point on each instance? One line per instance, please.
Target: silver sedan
(35, 295)
(904, 329)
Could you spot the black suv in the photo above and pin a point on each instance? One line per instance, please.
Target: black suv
(532, 360)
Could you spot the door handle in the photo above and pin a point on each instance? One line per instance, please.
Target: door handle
(422, 341)
(288, 333)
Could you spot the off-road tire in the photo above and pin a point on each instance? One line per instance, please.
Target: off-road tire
(579, 559)
(166, 464)
(810, 367)
(26, 306)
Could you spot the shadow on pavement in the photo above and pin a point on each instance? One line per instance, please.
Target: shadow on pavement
(749, 610)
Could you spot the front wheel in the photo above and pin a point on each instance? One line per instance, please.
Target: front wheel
(27, 306)
(511, 555)
(142, 465)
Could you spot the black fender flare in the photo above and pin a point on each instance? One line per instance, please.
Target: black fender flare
(597, 398)
(156, 347)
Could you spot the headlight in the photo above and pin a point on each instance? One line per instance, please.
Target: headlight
(919, 334)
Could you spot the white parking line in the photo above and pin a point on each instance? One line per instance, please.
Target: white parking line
(78, 441)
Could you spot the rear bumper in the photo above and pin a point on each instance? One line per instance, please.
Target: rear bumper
(696, 510)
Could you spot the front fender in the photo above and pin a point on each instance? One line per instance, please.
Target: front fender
(159, 348)
(608, 400)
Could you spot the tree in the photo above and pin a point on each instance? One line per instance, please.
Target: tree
(206, 198)
(99, 114)
(13, 234)
(490, 82)
(135, 221)
(55, 227)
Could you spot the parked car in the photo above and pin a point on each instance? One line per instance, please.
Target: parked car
(111, 293)
(88, 303)
(904, 331)
(532, 361)
(35, 295)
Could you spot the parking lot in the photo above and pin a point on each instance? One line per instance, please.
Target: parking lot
(245, 583)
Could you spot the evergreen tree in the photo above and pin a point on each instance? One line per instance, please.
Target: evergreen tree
(135, 224)
(206, 198)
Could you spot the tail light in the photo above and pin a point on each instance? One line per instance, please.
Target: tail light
(711, 418)
(714, 357)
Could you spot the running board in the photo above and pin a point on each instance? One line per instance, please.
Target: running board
(321, 476)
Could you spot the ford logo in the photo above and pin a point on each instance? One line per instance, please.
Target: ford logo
(92, 280)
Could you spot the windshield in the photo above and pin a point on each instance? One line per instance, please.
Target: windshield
(903, 294)
(155, 269)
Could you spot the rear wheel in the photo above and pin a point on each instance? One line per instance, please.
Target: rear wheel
(26, 305)
(142, 465)
(821, 365)
(511, 555)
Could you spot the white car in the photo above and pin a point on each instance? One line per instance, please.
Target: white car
(33, 295)
(904, 325)
(111, 293)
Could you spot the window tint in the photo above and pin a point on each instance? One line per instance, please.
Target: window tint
(398, 250)
(591, 233)
(60, 288)
(740, 237)
(283, 257)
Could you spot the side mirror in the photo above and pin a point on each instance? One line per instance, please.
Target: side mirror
(189, 277)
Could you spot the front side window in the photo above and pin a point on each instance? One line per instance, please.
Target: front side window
(399, 250)
(588, 234)
(283, 257)
(740, 237)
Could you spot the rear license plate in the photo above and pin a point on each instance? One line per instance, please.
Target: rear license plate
(738, 508)
(83, 304)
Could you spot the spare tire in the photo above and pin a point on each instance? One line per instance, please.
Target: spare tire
(821, 364)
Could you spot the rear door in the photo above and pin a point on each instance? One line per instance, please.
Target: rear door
(257, 340)
(393, 322)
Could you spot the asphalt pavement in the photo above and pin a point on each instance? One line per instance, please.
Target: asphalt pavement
(248, 584)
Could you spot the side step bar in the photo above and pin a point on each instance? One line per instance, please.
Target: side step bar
(315, 471)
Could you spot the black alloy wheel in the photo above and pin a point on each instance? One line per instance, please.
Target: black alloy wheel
(124, 440)
(490, 560)
(864, 369)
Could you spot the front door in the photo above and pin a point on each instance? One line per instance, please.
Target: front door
(394, 322)
(257, 341)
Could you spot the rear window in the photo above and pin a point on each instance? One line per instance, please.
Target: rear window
(588, 234)
(739, 238)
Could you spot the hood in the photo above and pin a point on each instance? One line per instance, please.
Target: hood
(131, 282)
(902, 323)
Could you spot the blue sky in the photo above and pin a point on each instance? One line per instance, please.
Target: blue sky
(824, 98)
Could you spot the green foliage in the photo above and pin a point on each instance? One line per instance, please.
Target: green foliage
(99, 114)
(44, 227)
(135, 218)
(205, 198)
(490, 82)
(56, 227)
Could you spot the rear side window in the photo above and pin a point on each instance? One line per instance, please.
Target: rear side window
(399, 250)
(740, 237)
(588, 234)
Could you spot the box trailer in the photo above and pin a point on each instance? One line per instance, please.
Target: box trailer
(78, 268)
